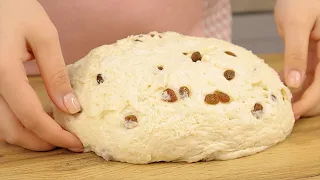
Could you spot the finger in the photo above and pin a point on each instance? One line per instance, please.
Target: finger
(296, 40)
(311, 96)
(14, 133)
(27, 139)
(25, 104)
(307, 82)
(315, 111)
(27, 56)
(45, 46)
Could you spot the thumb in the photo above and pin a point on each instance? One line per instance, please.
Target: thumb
(296, 54)
(47, 52)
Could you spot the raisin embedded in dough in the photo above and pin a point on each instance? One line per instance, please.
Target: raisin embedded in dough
(257, 110)
(184, 92)
(131, 121)
(229, 74)
(230, 53)
(223, 97)
(100, 79)
(169, 95)
(131, 118)
(211, 99)
(196, 56)
(258, 107)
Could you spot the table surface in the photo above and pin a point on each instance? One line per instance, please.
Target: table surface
(298, 157)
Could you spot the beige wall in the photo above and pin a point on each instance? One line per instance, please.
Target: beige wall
(243, 6)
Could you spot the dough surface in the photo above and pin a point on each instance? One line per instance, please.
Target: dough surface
(169, 97)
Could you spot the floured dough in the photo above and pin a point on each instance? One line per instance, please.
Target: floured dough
(169, 97)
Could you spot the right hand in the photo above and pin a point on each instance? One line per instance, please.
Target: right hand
(26, 32)
(298, 23)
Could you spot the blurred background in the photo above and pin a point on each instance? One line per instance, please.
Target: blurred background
(254, 27)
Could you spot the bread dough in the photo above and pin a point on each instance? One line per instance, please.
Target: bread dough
(170, 97)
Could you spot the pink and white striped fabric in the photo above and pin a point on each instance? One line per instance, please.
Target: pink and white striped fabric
(217, 20)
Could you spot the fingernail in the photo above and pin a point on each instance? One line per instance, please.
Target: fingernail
(294, 79)
(76, 149)
(71, 103)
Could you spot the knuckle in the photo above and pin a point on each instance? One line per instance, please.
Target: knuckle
(31, 123)
(296, 57)
(293, 23)
(29, 120)
(296, 22)
(60, 78)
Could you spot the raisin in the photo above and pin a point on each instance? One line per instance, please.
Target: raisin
(257, 107)
(100, 79)
(230, 53)
(184, 92)
(257, 111)
(131, 118)
(185, 53)
(169, 95)
(223, 97)
(138, 40)
(211, 99)
(152, 35)
(131, 121)
(160, 68)
(196, 56)
(229, 74)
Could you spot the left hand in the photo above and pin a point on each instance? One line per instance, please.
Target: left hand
(298, 23)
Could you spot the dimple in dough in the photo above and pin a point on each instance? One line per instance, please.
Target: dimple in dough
(128, 115)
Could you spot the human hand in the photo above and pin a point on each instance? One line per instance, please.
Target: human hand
(298, 23)
(26, 31)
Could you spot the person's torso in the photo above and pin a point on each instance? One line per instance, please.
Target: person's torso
(83, 24)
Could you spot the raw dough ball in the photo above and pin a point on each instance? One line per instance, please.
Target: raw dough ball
(169, 97)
